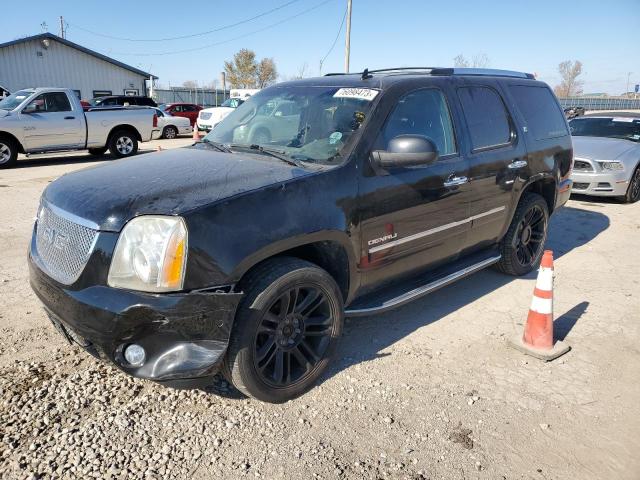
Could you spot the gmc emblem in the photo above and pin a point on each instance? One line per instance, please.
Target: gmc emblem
(57, 239)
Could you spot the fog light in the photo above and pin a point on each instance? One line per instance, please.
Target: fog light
(134, 355)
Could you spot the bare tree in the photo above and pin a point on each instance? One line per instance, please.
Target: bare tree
(190, 84)
(570, 85)
(303, 71)
(479, 60)
(266, 73)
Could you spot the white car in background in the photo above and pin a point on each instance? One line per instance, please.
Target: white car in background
(210, 117)
(171, 126)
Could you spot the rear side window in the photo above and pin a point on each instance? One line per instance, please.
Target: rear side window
(542, 115)
(486, 116)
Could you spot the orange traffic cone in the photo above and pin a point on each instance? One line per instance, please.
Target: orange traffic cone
(196, 134)
(537, 339)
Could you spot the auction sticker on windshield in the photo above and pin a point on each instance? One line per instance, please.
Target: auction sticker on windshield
(359, 93)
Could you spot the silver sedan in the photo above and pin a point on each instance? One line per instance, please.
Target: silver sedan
(606, 151)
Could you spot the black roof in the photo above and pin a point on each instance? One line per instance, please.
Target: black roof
(64, 41)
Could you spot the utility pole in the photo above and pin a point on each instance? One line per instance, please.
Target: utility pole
(61, 27)
(627, 89)
(347, 45)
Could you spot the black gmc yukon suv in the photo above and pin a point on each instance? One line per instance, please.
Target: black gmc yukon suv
(314, 200)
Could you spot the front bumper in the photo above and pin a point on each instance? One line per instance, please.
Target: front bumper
(185, 335)
(204, 125)
(609, 184)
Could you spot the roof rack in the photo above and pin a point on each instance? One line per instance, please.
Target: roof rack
(442, 71)
(480, 71)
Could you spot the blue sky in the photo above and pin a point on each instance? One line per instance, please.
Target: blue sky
(533, 35)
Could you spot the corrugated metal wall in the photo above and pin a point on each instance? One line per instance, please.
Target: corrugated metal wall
(29, 64)
(200, 96)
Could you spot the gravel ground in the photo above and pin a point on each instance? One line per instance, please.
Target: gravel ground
(428, 391)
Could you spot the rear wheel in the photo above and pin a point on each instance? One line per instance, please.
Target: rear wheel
(8, 153)
(633, 191)
(523, 245)
(285, 331)
(169, 132)
(123, 143)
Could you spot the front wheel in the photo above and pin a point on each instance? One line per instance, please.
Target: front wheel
(286, 330)
(523, 245)
(633, 191)
(8, 153)
(123, 143)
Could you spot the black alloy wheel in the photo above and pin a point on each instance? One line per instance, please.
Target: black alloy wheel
(523, 245)
(286, 329)
(293, 336)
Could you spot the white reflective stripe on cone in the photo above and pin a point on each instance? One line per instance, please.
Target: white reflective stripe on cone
(542, 305)
(545, 279)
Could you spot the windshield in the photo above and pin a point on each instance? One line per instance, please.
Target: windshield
(627, 128)
(231, 102)
(15, 99)
(304, 123)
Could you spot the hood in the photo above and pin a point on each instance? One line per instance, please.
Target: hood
(601, 148)
(169, 182)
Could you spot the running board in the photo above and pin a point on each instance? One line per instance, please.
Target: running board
(421, 291)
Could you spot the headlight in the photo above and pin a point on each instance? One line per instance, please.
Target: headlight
(151, 255)
(611, 165)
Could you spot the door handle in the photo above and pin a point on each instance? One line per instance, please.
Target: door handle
(69, 118)
(455, 181)
(518, 164)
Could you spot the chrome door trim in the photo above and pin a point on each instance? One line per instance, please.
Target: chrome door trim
(423, 290)
(441, 228)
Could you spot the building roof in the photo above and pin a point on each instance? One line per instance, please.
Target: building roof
(64, 41)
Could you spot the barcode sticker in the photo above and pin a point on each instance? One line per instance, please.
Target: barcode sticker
(359, 93)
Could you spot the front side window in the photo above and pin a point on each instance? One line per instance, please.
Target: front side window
(627, 128)
(423, 112)
(486, 116)
(314, 124)
(50, 102)
(540, 110)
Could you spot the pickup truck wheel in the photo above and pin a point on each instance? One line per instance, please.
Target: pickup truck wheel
(286, 330)
(123, 143)
(8, 153)
(97, 151)
(169, 132)
(523, 244)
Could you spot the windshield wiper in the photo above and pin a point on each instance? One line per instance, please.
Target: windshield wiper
(280, 155)
(217, 145)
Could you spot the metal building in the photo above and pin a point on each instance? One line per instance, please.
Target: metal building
(47, 60)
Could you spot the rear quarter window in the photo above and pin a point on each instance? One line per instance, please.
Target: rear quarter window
(487, 117)
(541, 113)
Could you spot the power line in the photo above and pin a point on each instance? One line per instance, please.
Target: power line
(166, 39)
(335, 40)
(203, 47)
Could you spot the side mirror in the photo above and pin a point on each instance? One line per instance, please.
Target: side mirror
(31, 108)
(404, 151)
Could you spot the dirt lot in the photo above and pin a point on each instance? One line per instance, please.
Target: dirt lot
(428, 391)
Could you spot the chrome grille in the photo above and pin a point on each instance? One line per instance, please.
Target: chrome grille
(582, 166)
(205, 115)
(63, 246)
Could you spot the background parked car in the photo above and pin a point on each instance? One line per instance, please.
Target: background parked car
(172, 126)
(572, 112)
(607, 155)
(210, 117)
(186, 110)
(4, 92)
(123, 100)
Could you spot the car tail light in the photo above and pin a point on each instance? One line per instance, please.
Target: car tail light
(155, 119)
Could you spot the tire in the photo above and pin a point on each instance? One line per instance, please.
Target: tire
(523, 244)
(633, 190)
(278, 349)
(123, 143)
(98, 151)
(8, 152)
(169, 132)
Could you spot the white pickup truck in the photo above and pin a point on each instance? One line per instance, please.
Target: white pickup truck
(42, 120)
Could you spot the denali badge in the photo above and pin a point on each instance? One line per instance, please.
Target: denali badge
(57, 239)
(375, 241)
